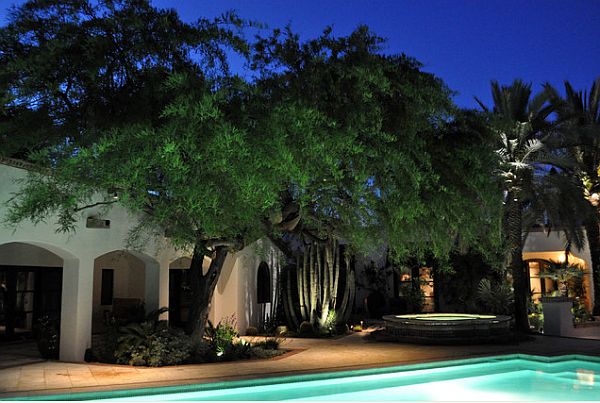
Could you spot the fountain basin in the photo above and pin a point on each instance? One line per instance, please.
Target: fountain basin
(448, 328)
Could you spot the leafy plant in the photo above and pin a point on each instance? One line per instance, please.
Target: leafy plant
(221, 337)
(269, 343)
(47, 337)
(495, 297)
(413, 295)
(568, 276)
(152, 343)
(306, 329)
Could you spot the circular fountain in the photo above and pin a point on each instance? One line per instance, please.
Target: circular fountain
(448, 328)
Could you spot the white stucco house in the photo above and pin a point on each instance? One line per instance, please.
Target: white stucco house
(82, 276)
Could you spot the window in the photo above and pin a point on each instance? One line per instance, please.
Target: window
(263, 284)
(538, 284)
(106, 292)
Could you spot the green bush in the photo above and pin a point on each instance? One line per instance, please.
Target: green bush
(413, 296)
(496, 298)
(152, 343)
(306, 329)
(142, 345)
(47, 337)
(270, 343)
(221, 337)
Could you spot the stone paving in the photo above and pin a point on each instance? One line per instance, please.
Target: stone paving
(306, 356)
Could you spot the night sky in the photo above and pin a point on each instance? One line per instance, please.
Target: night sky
(466, 43)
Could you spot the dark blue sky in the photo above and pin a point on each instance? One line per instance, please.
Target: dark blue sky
(466, 43)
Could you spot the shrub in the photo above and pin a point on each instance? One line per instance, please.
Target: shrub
(251, 331)
(495, 298)
(141, 344)
(306, 329)
(341, 328)
(270, 343)
(47, 337)
(152, 343)
(281, 330)
(221, 337)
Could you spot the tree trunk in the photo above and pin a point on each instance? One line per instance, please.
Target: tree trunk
(515, 244)
(593, 237)
(203, 287)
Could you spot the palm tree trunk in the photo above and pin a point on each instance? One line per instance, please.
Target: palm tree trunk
(593, 237)
(515, 244)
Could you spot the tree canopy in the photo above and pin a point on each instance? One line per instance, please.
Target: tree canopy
(382, 153)
(72, 70)
(332, 137)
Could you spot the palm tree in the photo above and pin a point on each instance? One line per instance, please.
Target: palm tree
(532, 176)
(579, 115)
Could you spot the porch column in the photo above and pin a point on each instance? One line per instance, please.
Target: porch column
(76, 308)
(163, 287)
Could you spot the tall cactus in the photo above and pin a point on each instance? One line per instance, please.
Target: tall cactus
(317, 275)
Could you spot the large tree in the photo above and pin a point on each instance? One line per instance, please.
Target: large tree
(535, 176)
(197, 174)
(383, 155)
(579, 124)
(72, 70)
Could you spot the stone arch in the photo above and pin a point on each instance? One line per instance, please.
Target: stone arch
(74, 326)
(132, 278)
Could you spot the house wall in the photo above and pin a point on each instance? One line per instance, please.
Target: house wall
(540, 245)
(22, 254)
(129, 281)
(83, 253)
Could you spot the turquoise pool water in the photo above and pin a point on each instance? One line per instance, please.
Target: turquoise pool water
(502, 378)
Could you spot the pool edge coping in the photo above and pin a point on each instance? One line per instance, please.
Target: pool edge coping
(293, 376)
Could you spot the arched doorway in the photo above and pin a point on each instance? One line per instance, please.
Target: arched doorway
(125, 287)
(30, 289)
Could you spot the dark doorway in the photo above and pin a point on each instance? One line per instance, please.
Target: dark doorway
(180, 297)
(27, 294)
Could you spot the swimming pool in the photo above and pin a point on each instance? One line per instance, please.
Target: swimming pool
(501, 378)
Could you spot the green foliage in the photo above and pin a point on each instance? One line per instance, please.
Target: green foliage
(375, 156)
(269, 343)
(47, 337)
(152, 343)
(221, 337)
(568, 276)
(76, 69)
(413, 296)
(306, 329)
(580, 312)
(496, 298)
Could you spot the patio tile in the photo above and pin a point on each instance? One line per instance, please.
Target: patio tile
(319, 355)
